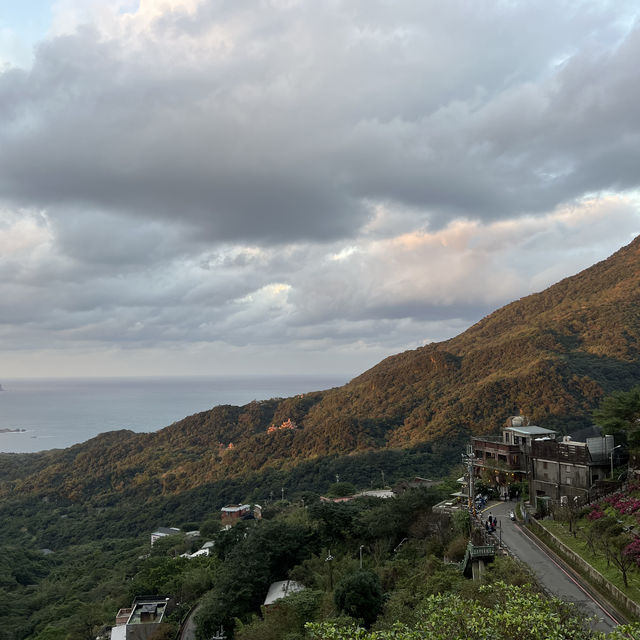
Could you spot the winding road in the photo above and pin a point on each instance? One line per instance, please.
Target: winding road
(556, 579)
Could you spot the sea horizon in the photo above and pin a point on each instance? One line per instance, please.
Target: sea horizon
(38, 414)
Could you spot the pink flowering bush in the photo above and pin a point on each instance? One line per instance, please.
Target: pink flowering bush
(596, 514)
(632, 550)
(623, 503)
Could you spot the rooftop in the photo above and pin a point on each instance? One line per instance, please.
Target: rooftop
(232, 508)
(376, 493)
(531, 430)
(148, 611)
(166, 531)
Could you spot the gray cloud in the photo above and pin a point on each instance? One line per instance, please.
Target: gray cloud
(361, 175)
(281, 128)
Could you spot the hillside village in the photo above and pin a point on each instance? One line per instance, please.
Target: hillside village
(545, 477)
(288, 566)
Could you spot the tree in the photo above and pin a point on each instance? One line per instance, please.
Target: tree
(359, 595)
(620, 556)
(462, 523)
(265, 555)
(570, 513)
(607, 530)
(284, 619)
(503, 612)
(341, 489)
(619, 413)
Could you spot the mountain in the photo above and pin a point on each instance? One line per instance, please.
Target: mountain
(551, 355)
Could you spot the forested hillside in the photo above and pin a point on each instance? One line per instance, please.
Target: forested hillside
(551, 355)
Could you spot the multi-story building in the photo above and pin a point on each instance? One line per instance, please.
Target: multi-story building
(505, 460)
(569, 468)
(558, 470)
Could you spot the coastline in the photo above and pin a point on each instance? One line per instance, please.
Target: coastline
(58, 413)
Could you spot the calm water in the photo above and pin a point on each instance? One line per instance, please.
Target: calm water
(60, 413)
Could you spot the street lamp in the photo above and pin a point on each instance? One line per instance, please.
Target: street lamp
(611, 456)
(329, 559)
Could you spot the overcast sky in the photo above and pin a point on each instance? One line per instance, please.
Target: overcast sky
(210, 187)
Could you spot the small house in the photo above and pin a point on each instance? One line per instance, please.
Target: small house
(232, 513)
(163, 532)
(142, 620)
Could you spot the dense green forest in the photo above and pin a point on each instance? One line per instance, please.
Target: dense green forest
(74, 592)
(371, 568)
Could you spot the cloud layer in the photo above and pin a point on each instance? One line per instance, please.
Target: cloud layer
(347, 178)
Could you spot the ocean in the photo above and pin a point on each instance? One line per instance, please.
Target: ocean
(39, 414)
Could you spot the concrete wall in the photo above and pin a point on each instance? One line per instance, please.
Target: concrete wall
(571, 475)
(559, 478)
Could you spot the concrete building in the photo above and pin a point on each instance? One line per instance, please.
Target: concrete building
(505, 460)
(163, 532)
(143, 619)
(568, 468)
(232, 513)
(557, 470)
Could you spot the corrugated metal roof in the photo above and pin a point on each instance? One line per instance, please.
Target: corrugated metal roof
(233, 508)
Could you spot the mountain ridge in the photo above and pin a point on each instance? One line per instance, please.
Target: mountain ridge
(551, 355)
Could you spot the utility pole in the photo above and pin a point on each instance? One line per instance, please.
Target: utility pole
(468, 460)
(283, 493)
(361, 547)
(611, 456)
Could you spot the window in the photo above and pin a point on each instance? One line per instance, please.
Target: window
(544, 465)
(567, 480)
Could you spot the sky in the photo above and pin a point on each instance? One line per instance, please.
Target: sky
(214, 187)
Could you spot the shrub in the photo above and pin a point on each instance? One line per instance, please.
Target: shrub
(359, 595)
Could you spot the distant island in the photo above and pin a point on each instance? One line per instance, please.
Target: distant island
(5, 430)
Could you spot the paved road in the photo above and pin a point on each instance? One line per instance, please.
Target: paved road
(549, 573)
(189, 628)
